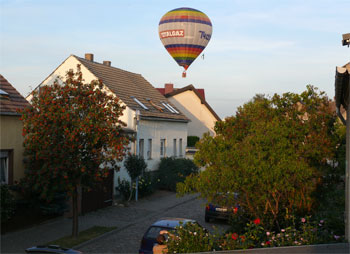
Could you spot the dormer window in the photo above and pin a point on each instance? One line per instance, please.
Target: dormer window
(139, 102)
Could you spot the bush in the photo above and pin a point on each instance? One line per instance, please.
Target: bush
(192, 140)
(172, 171)
(135, 165)
(193, 238)
(7, 203)
(147, 186)
(190, 238)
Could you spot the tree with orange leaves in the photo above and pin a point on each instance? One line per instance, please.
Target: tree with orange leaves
(73, 137)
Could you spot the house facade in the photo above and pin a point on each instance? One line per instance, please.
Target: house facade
(192, 103)
(11, 140)
(159, 127)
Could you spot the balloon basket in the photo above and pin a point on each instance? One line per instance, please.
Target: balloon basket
(184, 74)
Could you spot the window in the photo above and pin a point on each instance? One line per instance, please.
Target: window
(149, 151)
(139, 102)
(180, 147)
(162, 148)
(141, 148)
(175, 147)
(4, 167)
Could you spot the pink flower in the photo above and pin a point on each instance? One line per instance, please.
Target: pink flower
(303, 220)
(267, 233)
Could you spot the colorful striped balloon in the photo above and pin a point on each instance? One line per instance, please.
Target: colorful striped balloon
(185, 32)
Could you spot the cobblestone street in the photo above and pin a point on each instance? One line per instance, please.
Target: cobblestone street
(127, 240)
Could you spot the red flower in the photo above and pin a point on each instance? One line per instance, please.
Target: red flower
(235, 210)
(257, 221)
(234, 236)
(268, 243)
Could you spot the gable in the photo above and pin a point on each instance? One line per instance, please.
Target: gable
(11, 99)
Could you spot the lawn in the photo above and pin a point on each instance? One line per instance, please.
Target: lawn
(88, 234)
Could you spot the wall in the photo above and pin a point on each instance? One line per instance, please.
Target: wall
(157, 130)
(202, 120)
(11, 138)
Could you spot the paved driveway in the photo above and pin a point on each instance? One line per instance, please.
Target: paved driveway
(127, 240)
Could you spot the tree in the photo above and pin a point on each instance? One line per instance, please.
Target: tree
(271, 153)
(72, 138)
(135, 165)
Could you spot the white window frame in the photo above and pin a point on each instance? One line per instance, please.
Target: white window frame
(4, 167)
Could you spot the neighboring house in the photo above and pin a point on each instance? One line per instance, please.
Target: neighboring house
(159, 127)
(11, 140)
(192, 103)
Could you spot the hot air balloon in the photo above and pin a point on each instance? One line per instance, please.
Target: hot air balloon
(185, 32)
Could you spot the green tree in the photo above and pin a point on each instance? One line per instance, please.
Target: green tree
(271, 153)
(73, 137)
(135, 165)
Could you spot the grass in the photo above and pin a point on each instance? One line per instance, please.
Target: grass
(88, 234)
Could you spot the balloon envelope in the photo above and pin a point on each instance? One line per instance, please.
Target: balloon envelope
(185, 32)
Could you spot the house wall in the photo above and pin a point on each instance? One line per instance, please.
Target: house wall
(11, 139)
(202, 120)
(157, 130)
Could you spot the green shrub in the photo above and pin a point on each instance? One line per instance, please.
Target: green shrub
(172, 171)
(7, 203)
(135, 165)
(124, 188)
(190, 238)
(192, 140)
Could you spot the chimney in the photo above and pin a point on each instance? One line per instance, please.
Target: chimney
(107, 63)
(168, 88)
(89, 57)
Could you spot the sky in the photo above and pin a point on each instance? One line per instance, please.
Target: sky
(257, 46)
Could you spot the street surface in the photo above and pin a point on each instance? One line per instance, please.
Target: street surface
(127, 240)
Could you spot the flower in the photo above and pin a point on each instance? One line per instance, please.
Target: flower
(322, 221)
(267, 233)
(303, 220)
(283, 230)
(267, 242)
(257, 221)
(336, 237)
(242, 238)
(235, 210)
(262, 244)
(234, 236)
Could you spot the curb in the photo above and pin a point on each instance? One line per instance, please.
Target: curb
(133, 223)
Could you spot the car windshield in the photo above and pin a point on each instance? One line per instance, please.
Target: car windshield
(153, 232)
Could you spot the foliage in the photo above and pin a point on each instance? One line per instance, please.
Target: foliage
(7, 203)
(124, 188)
(72, 137)
(192, 140)
(135, 165)
(147, 186)
(271, 153)
(190, 238)
(174, 170)
(302, 232)
(85, 235)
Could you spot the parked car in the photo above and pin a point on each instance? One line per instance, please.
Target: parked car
(215, 211)
(168, 224)
(51, 249)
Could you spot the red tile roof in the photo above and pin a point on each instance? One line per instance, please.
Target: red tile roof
(127, 85)
(10, 98)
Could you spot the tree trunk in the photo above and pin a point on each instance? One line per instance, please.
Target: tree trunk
(75, 212)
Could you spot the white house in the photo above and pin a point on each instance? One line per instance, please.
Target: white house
(191, 102)
(158, 125)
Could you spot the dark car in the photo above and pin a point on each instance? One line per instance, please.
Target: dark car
(51, 249)
(215, 211)
(168, 224)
